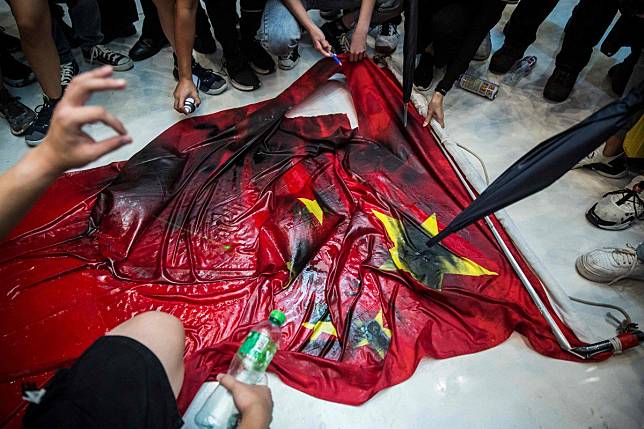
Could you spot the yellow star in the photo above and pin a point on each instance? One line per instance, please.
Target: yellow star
(314, 208)
(457, 265)
(321, 328)
(386, 331)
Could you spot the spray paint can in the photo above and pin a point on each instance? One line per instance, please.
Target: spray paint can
(189, 105)
(479, 86)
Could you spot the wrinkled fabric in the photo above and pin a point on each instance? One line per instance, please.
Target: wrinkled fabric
(224, 217)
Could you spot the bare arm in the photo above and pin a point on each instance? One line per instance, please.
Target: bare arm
(317, 37)
(184, 35)
(358, 49)
(65, 146)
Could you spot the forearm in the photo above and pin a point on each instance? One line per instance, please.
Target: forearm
(364, 18)
(254, 420)
(184, 33)
(298, 11)
(22, 185)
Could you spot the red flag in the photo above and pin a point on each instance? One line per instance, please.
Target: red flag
(224, 217)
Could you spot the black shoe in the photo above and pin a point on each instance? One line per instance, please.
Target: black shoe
(560, 85)
(260, 60)
(15, 73)
(10, 43)
(146, 47)
(67, 73)
(208, 81)
(102, 55)
(205, 45)
(241, 74)
(503, 59)
(424, 73)
(336, 36)
(116, 33)
(37, 131)
(19, 116)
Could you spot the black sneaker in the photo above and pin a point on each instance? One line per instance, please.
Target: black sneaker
(205, 45)
(209, 82)
(336, 36)
(67, 73)
(19, 116)
(260, 60)
(103, 55)
(241, 74)
(424, 73)
(37, 131)
(560, 84)
(287, 62)
(15, 73)
(10, 43)
(503, 59)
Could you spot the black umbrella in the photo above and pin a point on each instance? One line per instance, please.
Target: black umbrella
(409, 52)
(547, 162)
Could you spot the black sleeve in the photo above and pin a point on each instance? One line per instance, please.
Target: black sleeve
(485, 17)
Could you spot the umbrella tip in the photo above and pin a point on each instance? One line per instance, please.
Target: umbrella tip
(405, 115)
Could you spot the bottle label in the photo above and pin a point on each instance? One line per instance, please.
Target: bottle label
(259, 349)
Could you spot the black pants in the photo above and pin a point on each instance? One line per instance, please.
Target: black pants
(223, 14)
(117, 15)
(589, 21)
(152, 26)
(444, 24)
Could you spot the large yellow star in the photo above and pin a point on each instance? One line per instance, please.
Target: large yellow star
(386, 331)
(454, 265)
(314, 208)
(320, 328)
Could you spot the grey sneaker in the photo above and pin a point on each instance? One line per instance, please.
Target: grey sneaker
(19, 116)
(289, 61)
(37, 131)
(102, 55)
(484, 50)
(610, 264)
(388, 38)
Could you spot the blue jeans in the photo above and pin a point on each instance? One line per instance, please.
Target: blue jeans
(280, 32)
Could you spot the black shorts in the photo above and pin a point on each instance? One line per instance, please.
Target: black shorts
(116, 383)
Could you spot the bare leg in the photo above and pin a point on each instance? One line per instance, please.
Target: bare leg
(34, 23)
(613, 146)
(164, 335)
(165, 9)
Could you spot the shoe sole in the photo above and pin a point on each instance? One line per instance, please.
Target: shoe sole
(244, 88)
(288, 68)
(34, 143)
(423, 90)
(19, 132)
(261, 71)
(216, 91)
(589, 275)
(19, 83)
(609, 175)
(599, 223)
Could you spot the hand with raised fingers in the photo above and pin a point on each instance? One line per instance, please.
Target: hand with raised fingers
(254, 402)
(66, 144)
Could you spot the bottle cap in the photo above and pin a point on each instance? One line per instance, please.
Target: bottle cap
(278, 317)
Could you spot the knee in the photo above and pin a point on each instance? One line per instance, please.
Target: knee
(157, 324)
(278, 41)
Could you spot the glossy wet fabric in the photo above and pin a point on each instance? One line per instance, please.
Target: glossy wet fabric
(224, 217)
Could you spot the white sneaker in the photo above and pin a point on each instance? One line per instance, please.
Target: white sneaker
(102, 55)
(613, 167)
(610, 264)
(289, 61)
(387, 40)
(619, 209)
(484, 50)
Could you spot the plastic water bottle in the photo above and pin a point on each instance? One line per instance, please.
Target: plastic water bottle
(248, 366)
(519, 70)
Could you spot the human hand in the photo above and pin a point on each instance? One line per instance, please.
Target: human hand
(254, 402)
(435, 110)
(358, 48)
(66, 144)
(319, 41)
(185, 88)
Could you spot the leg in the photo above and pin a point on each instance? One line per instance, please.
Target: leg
(165, 9)
(521, 29)
(385, 10)
(62, 44)
(449, 25)
(251, 19)
(86, 21)
(32, 16)
(151, 24)
(223, 14)
(117, 18)
(279, 31)
(163, 334)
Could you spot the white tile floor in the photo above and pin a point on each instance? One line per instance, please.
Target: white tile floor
(509, 386)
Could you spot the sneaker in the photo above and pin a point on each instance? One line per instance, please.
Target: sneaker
(503, 59)
(289, 61)
(424, 73)
(37, 131)
(241, 74)
(330, 14)
(560, 84)
(336, 36)
(9, 42)
(613, 167)
(103, 55)
(610, 264)
(210, 82)
(484, 50)
(67, 73)
(619, 209)
(19, 116)
(15, 73)
(260, 60)
(387, 39)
